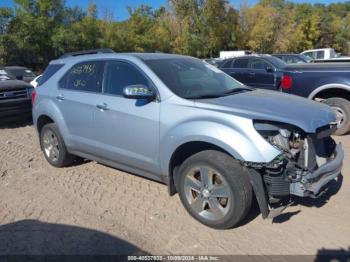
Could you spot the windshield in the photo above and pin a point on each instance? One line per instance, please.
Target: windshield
(306, 58)
(193, 78)
(277, 62)
(4, 75)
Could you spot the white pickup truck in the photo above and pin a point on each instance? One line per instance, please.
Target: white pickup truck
(325, 55)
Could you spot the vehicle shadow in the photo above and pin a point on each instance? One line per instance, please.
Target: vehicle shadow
(32, 238)
(15, 123)
(334, 255)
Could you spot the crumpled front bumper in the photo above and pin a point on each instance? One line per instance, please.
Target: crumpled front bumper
(312, 182)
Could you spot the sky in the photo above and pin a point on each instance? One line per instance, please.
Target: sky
(119, 10)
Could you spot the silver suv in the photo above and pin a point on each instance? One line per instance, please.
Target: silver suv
(185, 123)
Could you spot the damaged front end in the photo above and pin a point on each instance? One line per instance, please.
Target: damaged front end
(306, 164)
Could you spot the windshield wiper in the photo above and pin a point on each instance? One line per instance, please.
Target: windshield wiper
(215, 95)
(236, 90)
(204, 96)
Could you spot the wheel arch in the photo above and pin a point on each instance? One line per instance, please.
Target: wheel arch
(331, 90)
(42, 121)
(184, 151)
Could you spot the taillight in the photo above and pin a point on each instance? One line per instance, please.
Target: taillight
(33, 97)
(286, 82)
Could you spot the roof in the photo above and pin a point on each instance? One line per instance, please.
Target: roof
(141, 56)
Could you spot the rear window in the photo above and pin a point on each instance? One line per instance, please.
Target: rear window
(49, 71)
(320, 55)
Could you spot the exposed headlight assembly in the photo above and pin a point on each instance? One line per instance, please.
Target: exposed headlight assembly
(284, 136)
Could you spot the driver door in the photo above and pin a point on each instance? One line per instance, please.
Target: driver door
(127, 130)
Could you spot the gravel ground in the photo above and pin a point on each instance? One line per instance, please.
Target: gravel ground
(93, 209)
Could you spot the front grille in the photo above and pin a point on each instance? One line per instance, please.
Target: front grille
(13, 94)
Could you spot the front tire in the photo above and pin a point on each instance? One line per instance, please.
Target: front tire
(215, 189)
(53, 146)
(341, 108)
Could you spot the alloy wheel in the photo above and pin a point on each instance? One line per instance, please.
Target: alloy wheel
(207, 193)
(51, 146)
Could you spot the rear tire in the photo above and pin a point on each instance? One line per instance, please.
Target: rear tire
(341, 107)
(215, 189)
(53, 146)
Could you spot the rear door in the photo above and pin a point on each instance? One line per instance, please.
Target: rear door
(261, 74)
(75, 100)
(238, 69)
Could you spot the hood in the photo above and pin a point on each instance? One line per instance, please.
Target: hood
(13, 85)
(273, 106)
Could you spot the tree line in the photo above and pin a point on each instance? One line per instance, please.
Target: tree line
(34, 32)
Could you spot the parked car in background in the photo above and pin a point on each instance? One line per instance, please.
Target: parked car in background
(261, 71)
(213, 61)
(15, 98)
(321, 53)
(185, 123)
(21, 73)
(230, 54)
(327, 83)
(35, 81)
(324, 82)
(293, 58)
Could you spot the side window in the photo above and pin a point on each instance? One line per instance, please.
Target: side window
(309, 54)
(121, 74)
(320, 55)
(227, 64)
(240, 63)
(86, 76)
(259, 64)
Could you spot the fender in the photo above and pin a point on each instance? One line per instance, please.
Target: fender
(49, 108)
(237, 143)
(328, 86)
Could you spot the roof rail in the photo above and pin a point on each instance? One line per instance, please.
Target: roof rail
(89, 52)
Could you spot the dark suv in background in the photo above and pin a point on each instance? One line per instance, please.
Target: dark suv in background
(15, 98)
(21, 73)
(323, 82)
(261, 71)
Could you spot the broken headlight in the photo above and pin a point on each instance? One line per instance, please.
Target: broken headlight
(285, 137)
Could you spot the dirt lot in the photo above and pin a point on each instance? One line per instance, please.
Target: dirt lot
(93, 209)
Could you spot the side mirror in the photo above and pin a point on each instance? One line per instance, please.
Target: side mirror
(269, 69)
(138, 92)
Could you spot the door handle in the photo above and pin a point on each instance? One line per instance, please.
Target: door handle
(102, 107)
(252, 73)
(60, 97)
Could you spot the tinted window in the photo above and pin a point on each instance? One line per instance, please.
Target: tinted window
(192, 78)
(20, 72)
(226, 64)
(259, 64)
(85, 76)
(119, 75)
(320, 55)
(240, 63)
(309, 54)
(49, 71)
